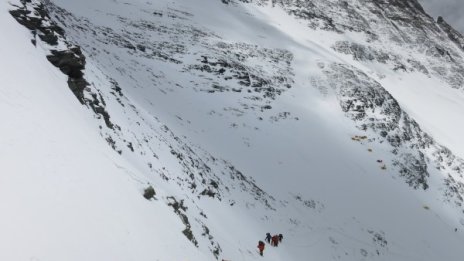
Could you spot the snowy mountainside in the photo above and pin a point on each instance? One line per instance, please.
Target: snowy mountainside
(260, 117)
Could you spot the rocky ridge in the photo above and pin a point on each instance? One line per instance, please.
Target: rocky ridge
(403, 23)
(375, 111)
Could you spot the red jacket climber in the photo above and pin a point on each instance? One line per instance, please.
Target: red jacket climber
(261, 247)
(275, 240)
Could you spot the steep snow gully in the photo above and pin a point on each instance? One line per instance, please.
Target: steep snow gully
(187, 130)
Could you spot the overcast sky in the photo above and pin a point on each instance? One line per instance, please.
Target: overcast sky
(451, 10)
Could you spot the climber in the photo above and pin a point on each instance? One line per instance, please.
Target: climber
(280, 237)
(261, 247)
(275, 240)
(268, 238)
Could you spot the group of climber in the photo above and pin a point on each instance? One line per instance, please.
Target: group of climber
(272, 240)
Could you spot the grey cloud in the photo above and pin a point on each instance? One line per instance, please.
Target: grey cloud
(451, 10)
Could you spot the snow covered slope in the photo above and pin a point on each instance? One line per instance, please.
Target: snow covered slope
(307, 118)
(64, 193)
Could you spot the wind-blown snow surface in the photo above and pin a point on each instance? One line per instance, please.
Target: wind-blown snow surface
(231, 153)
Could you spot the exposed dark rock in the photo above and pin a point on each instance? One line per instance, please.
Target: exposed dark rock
(208, 192)
(141, 48)
(46, 32)
(149, 193)
(77, 86)
(49, 38)
(106, 116)
(71, 62)
(180, 210)
(413, 169)
(454, 35)
(21, 15)
(362, 52)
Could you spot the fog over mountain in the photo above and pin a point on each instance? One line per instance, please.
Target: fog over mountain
(451, 10)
